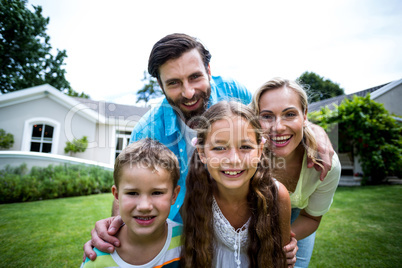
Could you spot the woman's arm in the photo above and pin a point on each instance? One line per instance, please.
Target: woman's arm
(305, 225)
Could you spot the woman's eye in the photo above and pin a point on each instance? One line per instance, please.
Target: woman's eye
(132, 193)
(267, 116)
(157, 193)
(246, 147)
(292, 114)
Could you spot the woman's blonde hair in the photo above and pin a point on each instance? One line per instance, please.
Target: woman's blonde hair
(265, 241)
(309, 142)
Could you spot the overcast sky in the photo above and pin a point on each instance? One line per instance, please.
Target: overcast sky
(355, 43)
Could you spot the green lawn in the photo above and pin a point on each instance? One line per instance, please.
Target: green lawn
(362, 229)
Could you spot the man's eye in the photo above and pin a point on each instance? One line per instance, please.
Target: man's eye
(195, 76)
(172, 83)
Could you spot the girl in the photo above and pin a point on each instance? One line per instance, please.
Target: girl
(285, 123)
(234, 213)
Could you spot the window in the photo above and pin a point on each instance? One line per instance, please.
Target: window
(42, 135)
(41, 138)
(122, 140)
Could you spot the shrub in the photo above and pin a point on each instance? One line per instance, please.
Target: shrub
(19, 185)
(77, 146)
(367, 129)
(6, 139)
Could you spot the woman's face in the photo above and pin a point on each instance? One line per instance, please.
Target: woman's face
(282, 118)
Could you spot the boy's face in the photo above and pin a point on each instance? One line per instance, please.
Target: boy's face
(145, 197)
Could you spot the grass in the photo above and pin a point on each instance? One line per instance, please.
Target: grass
(362, 229)
(49, 233)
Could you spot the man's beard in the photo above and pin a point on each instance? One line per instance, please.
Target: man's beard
(186, 116)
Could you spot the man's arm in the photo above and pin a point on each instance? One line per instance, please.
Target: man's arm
(103, 237)
(325, 151)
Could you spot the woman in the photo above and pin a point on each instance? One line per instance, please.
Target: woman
(291, 142)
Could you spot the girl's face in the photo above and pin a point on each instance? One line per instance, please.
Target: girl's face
(231, 153)
(282, 118)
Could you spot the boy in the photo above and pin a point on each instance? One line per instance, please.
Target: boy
(145, 185)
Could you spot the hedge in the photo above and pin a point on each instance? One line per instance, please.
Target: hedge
(17, 184)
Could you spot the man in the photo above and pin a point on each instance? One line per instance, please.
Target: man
(180, 64)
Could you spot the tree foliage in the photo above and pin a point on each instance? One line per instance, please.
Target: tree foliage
(6, 139)
(318, 87)
(367, 129)
(150, 90)
(77, 146)
(25, 52)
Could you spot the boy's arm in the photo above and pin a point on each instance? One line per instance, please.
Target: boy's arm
(325, 151)
(103, 237)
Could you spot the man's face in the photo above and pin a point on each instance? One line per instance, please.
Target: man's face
(185, 83)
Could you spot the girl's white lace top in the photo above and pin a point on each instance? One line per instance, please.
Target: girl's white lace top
(230, 244)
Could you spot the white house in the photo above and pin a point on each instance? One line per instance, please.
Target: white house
(42, 120)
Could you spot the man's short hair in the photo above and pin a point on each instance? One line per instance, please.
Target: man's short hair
(173, 46)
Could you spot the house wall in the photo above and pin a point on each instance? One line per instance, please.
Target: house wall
(71, 124)
(392, 100)
(35, 159)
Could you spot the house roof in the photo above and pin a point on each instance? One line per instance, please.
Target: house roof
(98, 111)
(385, 89)
(331, 102)
(109, 109)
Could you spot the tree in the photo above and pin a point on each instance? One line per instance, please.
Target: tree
(319, 88)
(366, 129)
(77, 146)
(6, 139)
(150, 90)
(25, 51)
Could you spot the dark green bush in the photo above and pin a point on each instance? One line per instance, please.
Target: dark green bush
(367, 129)
(17, 184)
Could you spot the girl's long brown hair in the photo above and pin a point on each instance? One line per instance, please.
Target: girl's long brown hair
(265, 241)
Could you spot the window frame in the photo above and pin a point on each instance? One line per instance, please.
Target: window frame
(125, 141)
(27, 135)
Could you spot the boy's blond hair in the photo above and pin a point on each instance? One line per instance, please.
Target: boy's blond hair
(147, 153)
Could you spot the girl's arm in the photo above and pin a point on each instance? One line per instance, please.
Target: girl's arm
(284, 213)
(305, 225)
